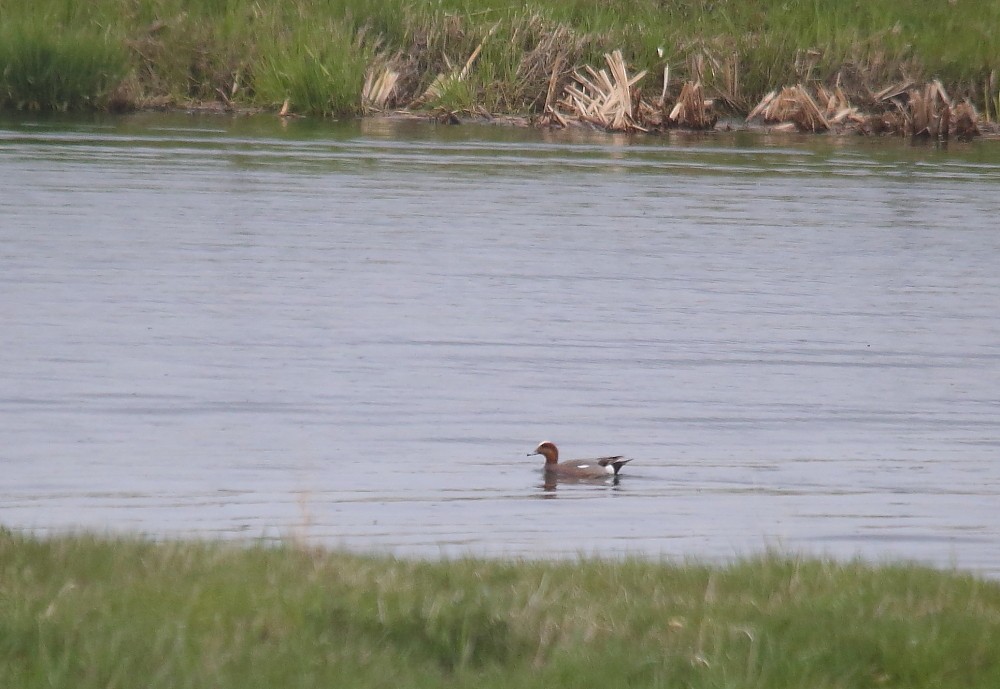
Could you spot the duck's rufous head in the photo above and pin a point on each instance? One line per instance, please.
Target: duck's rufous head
(547, 450)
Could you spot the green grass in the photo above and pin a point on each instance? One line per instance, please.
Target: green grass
(321, 68)
(77, 69)
(71, 54)
(81, 612)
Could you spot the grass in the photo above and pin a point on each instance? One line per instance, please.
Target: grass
(319, 68)
(87, 612)
(66, 54)
(76, 70)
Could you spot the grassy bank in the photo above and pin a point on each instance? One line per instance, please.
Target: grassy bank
(82, 612)
(60, 54)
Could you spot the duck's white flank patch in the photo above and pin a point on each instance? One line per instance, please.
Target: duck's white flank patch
(609, 469)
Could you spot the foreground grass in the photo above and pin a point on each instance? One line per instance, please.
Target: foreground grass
(86, 612)
(122, 53)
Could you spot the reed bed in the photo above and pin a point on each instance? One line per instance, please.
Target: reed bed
(81, 612)
(487, 56)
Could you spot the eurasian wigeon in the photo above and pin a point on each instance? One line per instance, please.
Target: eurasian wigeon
(599, 467)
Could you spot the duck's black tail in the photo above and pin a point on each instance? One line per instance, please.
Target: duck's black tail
(616, 462)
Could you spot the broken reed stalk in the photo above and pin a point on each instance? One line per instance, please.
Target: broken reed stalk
(692, 110)
(378, 89)
(920, 111)
(792, 105)
(929, 112)
(550, 93)
(836, 107)
(605, 99)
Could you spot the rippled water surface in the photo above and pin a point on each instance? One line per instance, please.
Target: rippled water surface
(354, 332)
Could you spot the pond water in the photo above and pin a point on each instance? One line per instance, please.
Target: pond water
(353, 333)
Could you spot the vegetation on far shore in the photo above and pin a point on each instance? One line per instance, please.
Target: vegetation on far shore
(84, 612)
(121, 54)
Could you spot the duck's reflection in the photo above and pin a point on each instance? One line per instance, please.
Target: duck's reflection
(552, 481)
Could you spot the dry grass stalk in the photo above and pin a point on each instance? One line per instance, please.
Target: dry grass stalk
(836, 107)
(378, 89)
(793, 104)
(605, 99)
(441, 82)
(924, 111)
(551, 118)
(691, 109)
(731, 80)
(927, 112)
(764, 104)
(544, 70)
(550, 93)
(894, 91)
(666, 82)
(723, 75)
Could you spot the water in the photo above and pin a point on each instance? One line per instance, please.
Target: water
(353, 333)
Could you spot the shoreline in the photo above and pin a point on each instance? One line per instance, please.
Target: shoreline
(644, 65)
(987, 130)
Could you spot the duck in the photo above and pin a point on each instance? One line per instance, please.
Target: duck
(599, 467)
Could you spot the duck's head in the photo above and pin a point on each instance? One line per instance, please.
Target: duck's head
(547, 450)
